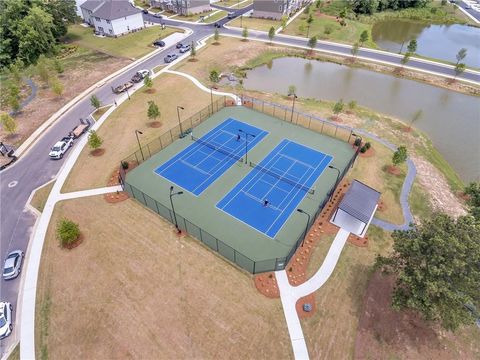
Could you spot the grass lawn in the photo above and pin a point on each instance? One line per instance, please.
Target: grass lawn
(134, 45)
(118, 131)
(98, 113)
(215, 17)
(142, 3)
(41, 195)
(234, 4)
(252, 23)
(192, 17)
(15, 354)
(134, 289)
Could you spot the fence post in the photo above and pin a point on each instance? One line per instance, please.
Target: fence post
(285, 115)
(336, 128)
(136, 157)
(323, 124)
(310, 122)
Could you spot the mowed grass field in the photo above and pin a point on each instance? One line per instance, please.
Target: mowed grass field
(134, 289)
(252, 23)
(132, 46)
(118, 131)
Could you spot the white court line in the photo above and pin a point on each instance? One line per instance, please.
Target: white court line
(193, 167)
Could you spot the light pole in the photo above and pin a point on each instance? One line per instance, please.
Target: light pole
(172, 194)
(211, 95)
(246, 143)
(179, 123)
(336, 181)
(138, 140)
(306, 227)
(293, 105)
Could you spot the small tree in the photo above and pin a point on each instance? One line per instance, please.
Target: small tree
(57, 87)
(399, 156)
(214, 76)
(459, 69)
(284, 21)
(14, 103)
(8, 123)
(14, 73)
(310, 19)
(338, 107)
(405, 59)
(306, 11)
(412, 46)
(473, 201)
(67, 231)
(271, 33)
(216, 35)
(318, 4)
(352, 105)
(354, 50)
(95, 101)
(153, 113)
(148, 82)
(58, 66)
(42, 69)
(193, 50)
(312, 42)
(94, 140)
(462, 53)
(343, 13)
(364, 37)
(245, 34)
(292, 89)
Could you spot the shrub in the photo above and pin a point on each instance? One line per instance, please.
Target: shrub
(357, 142)
(363, 149)
(94, 141)
(8, 123)
(328, 29)
(368, 145)
(124, 165)
(67, 231)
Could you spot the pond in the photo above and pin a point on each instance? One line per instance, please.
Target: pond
(435, 41)
(450, 119)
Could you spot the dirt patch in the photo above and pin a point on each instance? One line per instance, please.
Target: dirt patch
(154, 124)
(393, 170)
(441, 197)
(192, 60)
(74, 244)
(118, 196)
(97, 152)
(78, 78)
(150, 91)
(384, 332)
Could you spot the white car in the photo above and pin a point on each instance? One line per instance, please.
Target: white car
(13, 264)
(61, 147)
(6, 326)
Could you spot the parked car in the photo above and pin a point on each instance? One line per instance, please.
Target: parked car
(217, 25)
(6, 326)
(145, 11)
(159, 43)
(140, 75)
(179, 45)
(61, 147)
(157, 15)
(185, 48)
(170, 57)
(13, 264)
(231, 15)
(121, 88)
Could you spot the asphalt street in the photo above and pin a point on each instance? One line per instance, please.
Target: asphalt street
(35, 168)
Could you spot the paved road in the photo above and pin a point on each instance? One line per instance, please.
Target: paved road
(35, 168)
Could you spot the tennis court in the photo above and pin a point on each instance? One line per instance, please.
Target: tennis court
(272, 190)
(207, 158)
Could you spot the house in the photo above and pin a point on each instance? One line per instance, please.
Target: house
(276, 9)
(112, 17)
(182, 7)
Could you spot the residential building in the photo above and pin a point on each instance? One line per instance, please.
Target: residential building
(276, 9)
(182, 7)
(112, 17)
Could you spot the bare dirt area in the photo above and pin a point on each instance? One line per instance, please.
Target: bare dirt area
(384, 333)
(118, 131)
(81, 72)
(135, 289)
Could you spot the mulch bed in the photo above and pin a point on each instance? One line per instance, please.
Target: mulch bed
(118, 196)
(74, 244)
(248, 104)
(154, 124)
(357, 240)
(336, 118)
(216, 43)
(381, 206)
(150, 91)
(393, 170)
(369, 153)
(192, 60)
(297, 267)
(230, 103)
(97, 152)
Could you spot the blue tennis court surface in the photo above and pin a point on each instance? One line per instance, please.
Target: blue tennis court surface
(283, 178)
(207, 158)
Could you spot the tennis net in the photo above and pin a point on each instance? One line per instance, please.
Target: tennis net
(217, 148)
(282, 178)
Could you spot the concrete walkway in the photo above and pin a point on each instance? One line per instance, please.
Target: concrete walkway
(289, 294)
(90, 192)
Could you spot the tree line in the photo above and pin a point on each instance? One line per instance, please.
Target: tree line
(30, 28)
(371, 6)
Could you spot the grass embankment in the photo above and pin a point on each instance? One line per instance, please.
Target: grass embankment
(41, 196)
(15, 354)
(97, 114)
(191, 17)
(132, 46)
(181, 300)
(234, 4)
(215, 17)
(118, 131)
(252, 23)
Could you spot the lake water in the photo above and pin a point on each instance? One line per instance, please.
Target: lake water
(435, 41)
(450, 119)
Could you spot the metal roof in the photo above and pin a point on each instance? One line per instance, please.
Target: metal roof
(360, 201)
(110, 9)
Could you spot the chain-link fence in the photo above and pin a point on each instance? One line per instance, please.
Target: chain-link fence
(252, 266)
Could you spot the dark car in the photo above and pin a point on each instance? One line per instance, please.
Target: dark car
(159, 43)
(170, 57)
(217, 25)
(145, 11)
(179, 45)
